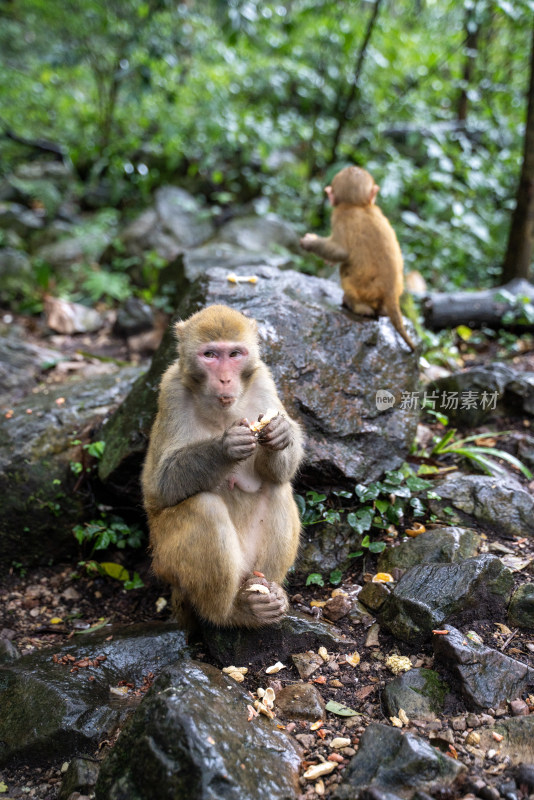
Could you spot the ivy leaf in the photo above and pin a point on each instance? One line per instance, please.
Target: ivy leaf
(341, 710)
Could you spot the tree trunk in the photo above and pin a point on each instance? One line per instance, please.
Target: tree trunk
(520, 240)
(345, 103)
(479, 309)
(471, 40)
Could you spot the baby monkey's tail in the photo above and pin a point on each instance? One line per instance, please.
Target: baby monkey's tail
(392, 309)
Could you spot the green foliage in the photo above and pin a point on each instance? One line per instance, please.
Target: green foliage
(244, 99)
(103, 534)
(482, 457)
(372, 509)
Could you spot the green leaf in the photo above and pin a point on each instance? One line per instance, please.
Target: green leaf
(366, 493)
(361, 520)
(315, 578)
(335, 577)
(115, 570)
(356, 554)
(95, 449)
(341, 710)
(382, 505)
(418, 484)
(377, 547)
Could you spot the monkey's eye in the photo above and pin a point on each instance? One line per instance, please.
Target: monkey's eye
(236, 354)
(209, 354)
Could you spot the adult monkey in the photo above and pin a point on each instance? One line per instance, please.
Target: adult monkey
(218, 496)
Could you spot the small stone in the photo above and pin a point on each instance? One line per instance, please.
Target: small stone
(473, 721)
(473, 738)
(489, 793)
(307, 740)
(300, 701)
(459, 724)
(307, 663)
(519, 708)
(337, 607)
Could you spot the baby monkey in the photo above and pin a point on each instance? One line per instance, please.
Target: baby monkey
(366, 247)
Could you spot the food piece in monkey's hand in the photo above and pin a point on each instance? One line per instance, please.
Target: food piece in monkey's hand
(258, 587)
(266, 603)
(258, 426)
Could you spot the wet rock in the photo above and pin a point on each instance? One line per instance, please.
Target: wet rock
(484, 676)
(8, 651)
(16, 274)
(392, 761)
(80, 777)
(50, 712)
(259, 233)
(438, 545)
(491, 385)
(430, 594)
(518, 739)
(295, 633)
(521, 609)
(325, 547)
(230, 257)
(63, 316)
(73, 249)
(21, 365)
(501, 503)
(307, 663)
(374, 596)
(419, 692)
(36, 450)
(134, 316)
(175, 223)
(300, 701)
(328, 367)
(190, 738)
(525, 777)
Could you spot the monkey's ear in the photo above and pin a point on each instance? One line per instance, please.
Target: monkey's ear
(373, 193)
(179, 328)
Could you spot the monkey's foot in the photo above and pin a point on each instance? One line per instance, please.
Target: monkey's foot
(263, 606)
(362, 309)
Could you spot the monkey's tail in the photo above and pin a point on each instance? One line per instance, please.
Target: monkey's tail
(391, 307)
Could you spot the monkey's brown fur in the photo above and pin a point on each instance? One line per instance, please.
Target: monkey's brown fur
(365, 244)
(219, 500)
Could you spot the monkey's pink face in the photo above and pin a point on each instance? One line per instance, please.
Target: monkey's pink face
(222, 363)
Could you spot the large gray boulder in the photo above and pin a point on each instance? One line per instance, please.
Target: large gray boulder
(328, 365)
(39, 504)
(485, 677)
(51, 709)
(501, 503)
(429, 595)
(191, 740)
(392, 761)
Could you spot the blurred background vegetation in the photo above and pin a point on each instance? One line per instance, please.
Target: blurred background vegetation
(244, 101)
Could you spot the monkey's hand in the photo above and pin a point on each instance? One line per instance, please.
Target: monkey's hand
(308, 241)
(238, 441)
(277, 434)
(261, 608)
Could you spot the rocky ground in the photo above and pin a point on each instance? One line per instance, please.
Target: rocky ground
(47, 607)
